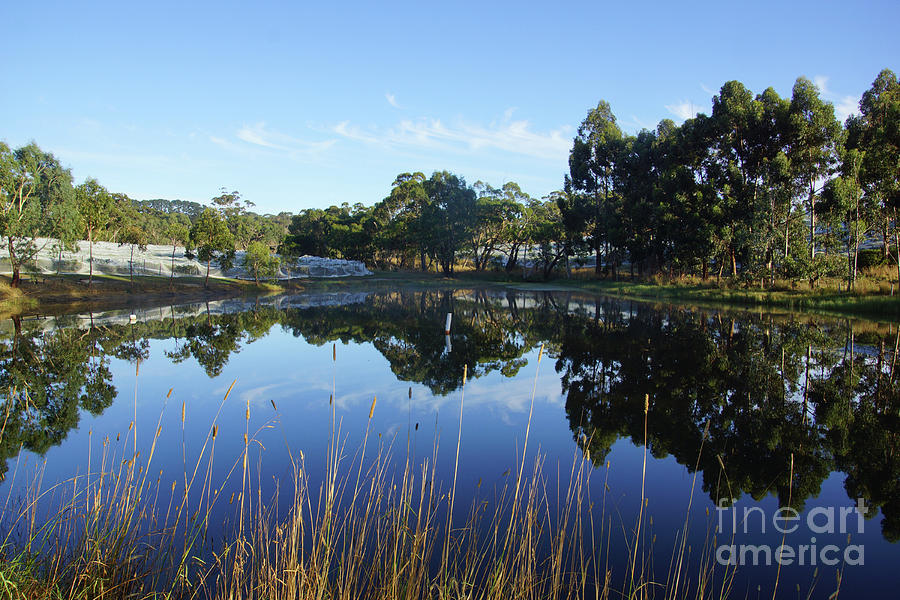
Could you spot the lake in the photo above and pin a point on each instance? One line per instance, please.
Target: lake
(761, 435)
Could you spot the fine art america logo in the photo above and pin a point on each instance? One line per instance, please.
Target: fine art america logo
(822, 520)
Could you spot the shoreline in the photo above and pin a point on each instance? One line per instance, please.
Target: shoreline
(59, 294)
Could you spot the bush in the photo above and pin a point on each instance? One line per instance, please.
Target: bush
(869, 258)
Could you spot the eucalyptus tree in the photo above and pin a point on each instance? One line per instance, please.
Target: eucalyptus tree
(592, 162)
(210, 236)
(94, 204)
(259, 261)
(498, 215)
(69, 226)
(177, 233)
(408, 202)
(548, 233)
(32, 185)
(448, 216)
(814, 139)
(876, 132)
(135, 237)
(847, 208)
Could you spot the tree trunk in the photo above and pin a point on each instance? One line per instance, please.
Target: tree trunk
(13, 262)
(206, 281)
(131, 266)
(91, 259)
(787, 232)
(812, 223)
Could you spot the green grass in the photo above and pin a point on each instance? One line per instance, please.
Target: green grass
(872, 298)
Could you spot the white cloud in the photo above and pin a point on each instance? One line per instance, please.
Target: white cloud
(260, 135)
(683, 110)
(709, 91)
(392, 100)
(514, 136)
(844, 106)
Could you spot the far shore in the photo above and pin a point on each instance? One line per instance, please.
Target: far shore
(59, 294)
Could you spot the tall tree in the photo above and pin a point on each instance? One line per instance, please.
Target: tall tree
(213, 241)
(32, 184)
(592, 162)
(449, 216)
(94, 204)
(260, 262)
(177, 233)
(135, 237)
(876, 132)
(813, 148)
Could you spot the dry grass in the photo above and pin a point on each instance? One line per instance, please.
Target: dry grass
(369, 530)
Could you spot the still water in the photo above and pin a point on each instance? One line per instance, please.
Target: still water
(751, 418)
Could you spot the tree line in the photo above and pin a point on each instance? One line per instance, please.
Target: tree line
(39, 199)
(763, 188)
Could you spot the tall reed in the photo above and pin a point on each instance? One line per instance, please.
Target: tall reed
(373, 528)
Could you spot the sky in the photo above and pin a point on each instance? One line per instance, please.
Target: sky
(309, 104)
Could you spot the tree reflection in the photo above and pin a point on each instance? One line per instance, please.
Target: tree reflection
(783, 402)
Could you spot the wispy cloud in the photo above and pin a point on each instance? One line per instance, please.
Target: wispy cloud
(507, 135)
(259, 135)
(637, 124)
(708, 90)
(392, 99)
(844, 106)
(683, 110)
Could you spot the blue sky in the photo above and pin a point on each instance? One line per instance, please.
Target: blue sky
(302, 104)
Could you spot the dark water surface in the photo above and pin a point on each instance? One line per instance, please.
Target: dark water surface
(772, 410)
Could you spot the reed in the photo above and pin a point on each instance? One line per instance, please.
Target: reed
(370, 529)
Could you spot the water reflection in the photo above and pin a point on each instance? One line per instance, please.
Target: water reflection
(769, 391)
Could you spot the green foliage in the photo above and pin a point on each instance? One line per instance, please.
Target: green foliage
(259, 261)
(212, 240)
(33, 187)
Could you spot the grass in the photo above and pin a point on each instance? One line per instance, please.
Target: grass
(875, 294)
(366, 531)
(872, 297)
(52, 293)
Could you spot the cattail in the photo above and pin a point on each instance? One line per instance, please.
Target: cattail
(170, 393)
(247, 413)
(540, 353)
(215, 431)
(275, 408)
(245, 439)
(182, 412)
(646, 403)
(173, 487)
(410, 392)
(231, 499)
(228, 393)
(372, 408)
(334, 352)
(465, 373)
(705, 430)
(131, 426)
